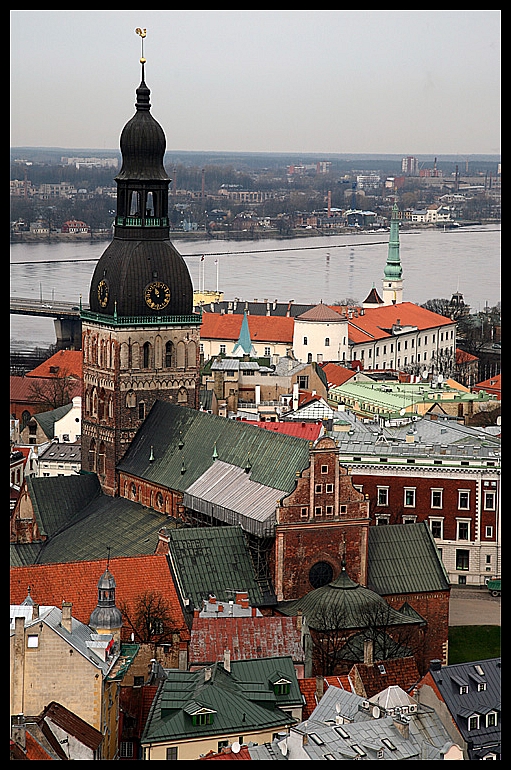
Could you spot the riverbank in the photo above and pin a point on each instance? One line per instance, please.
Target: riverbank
(242, 235)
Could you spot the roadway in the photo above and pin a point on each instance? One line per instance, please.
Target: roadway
(34, 307)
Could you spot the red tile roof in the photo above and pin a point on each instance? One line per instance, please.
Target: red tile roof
(336, 374)
(77, 582)
(245, 637)
(376, 323)
(491, 385)
(402, 672)
(308, 688)
(308, 430)
(228, 753)
(68, 361)
(262, 328)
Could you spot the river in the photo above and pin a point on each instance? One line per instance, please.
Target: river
(436, 263)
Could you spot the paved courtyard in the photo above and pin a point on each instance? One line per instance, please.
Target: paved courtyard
(473, 607)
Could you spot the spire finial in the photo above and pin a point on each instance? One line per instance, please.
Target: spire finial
(142, 33)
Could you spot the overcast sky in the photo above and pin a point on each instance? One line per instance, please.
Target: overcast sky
(406, 82)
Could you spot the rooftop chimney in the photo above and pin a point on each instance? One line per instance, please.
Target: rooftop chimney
(66, 616)
(227, 660)
(368, 652)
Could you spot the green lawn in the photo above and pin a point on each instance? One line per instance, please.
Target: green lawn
(468, 643)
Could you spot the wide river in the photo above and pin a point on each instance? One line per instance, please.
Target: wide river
(436, 263)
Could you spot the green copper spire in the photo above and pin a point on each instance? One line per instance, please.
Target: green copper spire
(393, 270)
(244, 342)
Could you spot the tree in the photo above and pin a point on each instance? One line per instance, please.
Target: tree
(52, 392)
(336, 645)
(150, 618)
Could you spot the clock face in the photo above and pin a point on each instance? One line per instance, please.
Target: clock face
(157, 295)
(103, 292)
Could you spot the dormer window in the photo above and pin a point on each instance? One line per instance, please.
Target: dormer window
(473, 722)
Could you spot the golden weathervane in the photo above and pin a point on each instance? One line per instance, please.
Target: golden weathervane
(142, 33)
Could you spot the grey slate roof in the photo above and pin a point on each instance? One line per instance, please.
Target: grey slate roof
(374, 732)
(184, 440)
(404, 558)
(212, 560)
(473, 675)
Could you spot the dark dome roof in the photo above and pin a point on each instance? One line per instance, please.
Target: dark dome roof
(142, 143)
(344, 602)
(128, 267)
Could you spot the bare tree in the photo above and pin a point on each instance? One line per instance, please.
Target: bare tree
(52, 392)
(150, 618)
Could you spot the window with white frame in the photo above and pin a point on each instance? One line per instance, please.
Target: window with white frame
(409, 497)
(437, 528)
(382, 496)
(491, 719)
(409, 519)
(463, 499)
(473, 722)
(437, 498)
(329, 488)
(489, 501)
(463, 529)
(382, 518)
(488, 532)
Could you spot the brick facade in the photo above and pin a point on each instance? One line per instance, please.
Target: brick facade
(125, 370)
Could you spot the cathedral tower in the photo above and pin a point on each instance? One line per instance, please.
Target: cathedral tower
(140, 336)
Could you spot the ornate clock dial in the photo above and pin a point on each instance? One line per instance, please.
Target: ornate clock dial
(103, 292)
(157, 295)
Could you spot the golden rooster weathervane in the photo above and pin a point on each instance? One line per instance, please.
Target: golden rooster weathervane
(142, 33)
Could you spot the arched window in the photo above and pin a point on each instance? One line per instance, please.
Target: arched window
(141, 411)
(169, 355)
(327, 342)
(92, 455)
(135, 204)
(102, 458)
(146, 353)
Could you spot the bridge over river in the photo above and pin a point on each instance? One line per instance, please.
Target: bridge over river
(67, 321)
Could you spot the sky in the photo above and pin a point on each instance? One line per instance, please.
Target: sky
(384, 82)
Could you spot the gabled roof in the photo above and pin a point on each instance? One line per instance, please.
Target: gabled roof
(77, 582)
(393, 555)
(185, 442)
(376, 323)
(69, 363)
(336, 374)
(72, 724)
(212, 560)
(261, 328)
(249, 637)
(374, 677)
(71, 512)
(480, 681)
(240, 701)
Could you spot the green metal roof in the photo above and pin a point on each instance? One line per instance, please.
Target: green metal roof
(47, 420)
(182, 443)
(212, 560)
(235, 708)
(83, 524)
(404, 558)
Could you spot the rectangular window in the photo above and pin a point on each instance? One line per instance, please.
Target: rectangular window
(463, 500)
(305, 340)
(329, 488)
(410, 497)
(463, 530)
(489, 501)
(329, 510)
(383, 496)
(462, 559)
(324, 469)
(267, 351)
(409, 519)
(202, 719)
(318, 488)
(473, 722)
(33, 640)
(318, 511)
(491, 719)
(488, 532)
(304, 512)
(126, 750)
(222, 349)
(172, 753)
(436, 526)
(436, 498)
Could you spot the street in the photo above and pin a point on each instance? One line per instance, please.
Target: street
(473, 607)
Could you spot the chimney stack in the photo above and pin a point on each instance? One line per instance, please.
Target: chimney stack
(368, 652)
(66, 622)
(227, 660)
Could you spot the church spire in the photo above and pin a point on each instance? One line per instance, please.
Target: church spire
(244, 343)
(392, 275)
